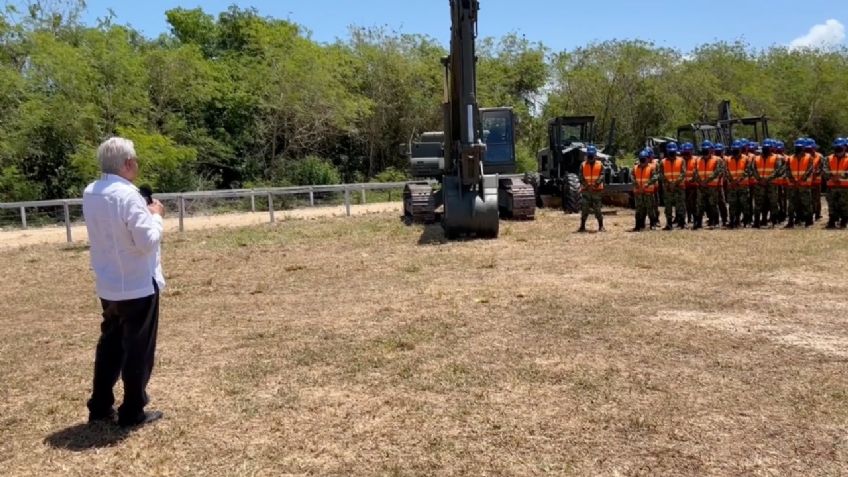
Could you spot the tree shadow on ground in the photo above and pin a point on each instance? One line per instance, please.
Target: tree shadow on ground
(86, 436)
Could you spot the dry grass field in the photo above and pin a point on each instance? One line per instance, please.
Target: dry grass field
(364, 347)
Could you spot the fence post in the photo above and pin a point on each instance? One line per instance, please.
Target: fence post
(347, 200)
(363, 195)
(67, 221)
(181, 207)
(311, 197)
(23, 218)
(252, 201)
(271, 206)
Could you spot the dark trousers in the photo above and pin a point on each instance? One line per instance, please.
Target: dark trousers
(126, 349)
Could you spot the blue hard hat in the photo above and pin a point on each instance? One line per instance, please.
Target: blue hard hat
(687, 147)
(671, 148)
(706, 145)
(591, 151)
(643, 154)
(780, 145)
(753, 145)
(840, 142)
(768, 143)
(800, 143)
(718, 146)
(737, 145)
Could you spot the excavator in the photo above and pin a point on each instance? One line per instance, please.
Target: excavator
(469, 164)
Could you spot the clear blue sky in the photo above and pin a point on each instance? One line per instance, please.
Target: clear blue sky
(560, 24)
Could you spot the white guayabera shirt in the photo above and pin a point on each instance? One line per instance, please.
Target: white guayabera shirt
(125, 239)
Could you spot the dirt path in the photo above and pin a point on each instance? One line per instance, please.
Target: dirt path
(19, 238)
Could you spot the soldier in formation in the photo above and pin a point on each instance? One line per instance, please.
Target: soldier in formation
(755, 185)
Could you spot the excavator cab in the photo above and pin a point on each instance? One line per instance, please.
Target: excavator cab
(499, 135)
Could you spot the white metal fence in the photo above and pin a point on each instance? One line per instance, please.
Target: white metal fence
(60, 211)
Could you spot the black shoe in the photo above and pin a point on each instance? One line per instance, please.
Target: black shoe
(582, 229)
(790, 225)
(831, 225)
(668, 227)
(147, 418)
(107, 418)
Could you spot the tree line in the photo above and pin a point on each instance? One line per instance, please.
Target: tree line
(237, 99)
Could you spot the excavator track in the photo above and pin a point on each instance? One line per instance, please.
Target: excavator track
(419, 203)
(518, 199)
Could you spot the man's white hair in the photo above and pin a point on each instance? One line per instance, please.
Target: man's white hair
(113, 153)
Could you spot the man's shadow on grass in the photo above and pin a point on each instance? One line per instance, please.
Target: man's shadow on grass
(87, 436)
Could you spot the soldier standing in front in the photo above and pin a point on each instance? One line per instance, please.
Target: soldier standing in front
(592, 185)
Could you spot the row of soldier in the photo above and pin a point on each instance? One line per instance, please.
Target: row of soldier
(750, 186)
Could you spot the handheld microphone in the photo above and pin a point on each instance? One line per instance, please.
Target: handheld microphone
(146, 192)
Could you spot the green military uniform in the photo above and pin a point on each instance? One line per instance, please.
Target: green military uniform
(674, 194)
(592, 199)
(766, 194)
(737, 194)
(799, 198)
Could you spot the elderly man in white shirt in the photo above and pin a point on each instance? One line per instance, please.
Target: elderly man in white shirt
(125, 233)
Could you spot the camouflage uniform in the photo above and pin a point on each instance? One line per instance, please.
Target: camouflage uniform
(800, 199)
(674, 196)
(737, 196)
(592, 200)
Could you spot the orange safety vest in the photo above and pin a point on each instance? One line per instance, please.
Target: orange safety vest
(709, 168)
(673, 170)
(693, 164)
(765, 166)
(838, 167)
(797, 168)
(736, 168)
(593, 172)
(817, 163)
(641, 176)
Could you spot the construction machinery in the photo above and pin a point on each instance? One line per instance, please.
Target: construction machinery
(468, 184)
(516, 198)
(559, 164)
(725, 129)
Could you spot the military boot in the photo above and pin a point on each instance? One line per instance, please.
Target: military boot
(582, 225)
(790, 224)
(601, 225)
(831, 224)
